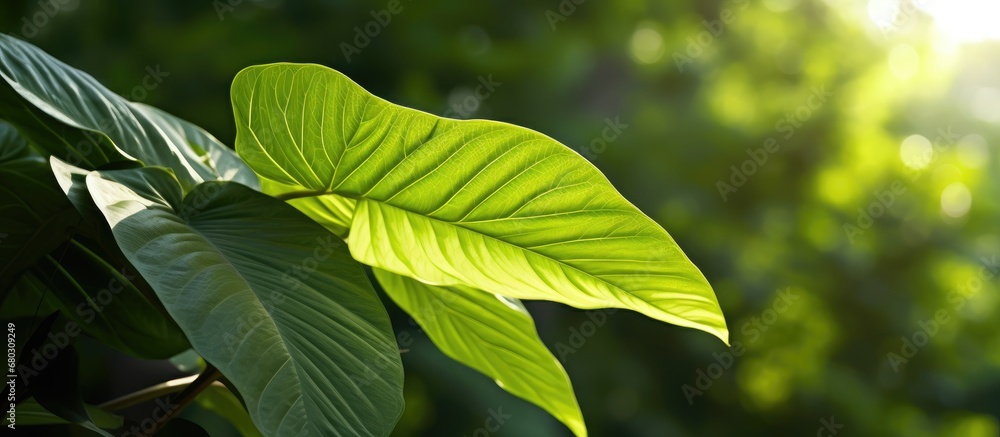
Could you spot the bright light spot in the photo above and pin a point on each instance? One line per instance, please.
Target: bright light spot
(973, 151)
(916, 151)
(883, 12)
(512, 303)
(986, 105)
(956, 200)
(780, 5)
(965, 20)
(904, 61)
(647, 44)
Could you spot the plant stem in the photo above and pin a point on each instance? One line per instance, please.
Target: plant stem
(148, 394)
(186, 397)
(188, 386)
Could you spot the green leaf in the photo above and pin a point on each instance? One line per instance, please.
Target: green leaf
(333, 212)
(29, 413)
(104, 302)
(269, 297)
(492, 334)
(67, 113)
(475, 203)
(224, 403)
(56, 385)
(35, 218)
(89, 283)
(222, 159)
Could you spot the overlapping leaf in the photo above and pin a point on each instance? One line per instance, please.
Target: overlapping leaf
(30, 413)
(70, 115)
(266, 295)
(221, 401)
(35, 217)
(102, 300)
(473, 203)
(492, 334)
(55, 385)
(45, 258)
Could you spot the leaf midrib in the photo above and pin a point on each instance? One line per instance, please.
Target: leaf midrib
(286, 345)
(253, 292)
(616, 287)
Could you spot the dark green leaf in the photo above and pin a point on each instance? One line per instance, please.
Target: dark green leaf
(266, 295)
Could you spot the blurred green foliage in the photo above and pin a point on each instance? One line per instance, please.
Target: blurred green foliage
(698, 107)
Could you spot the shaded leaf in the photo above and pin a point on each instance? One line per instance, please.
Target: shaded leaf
(69, 114)
(35, 218)
(180, 427)
(104, 302)
(30, 413)
(56, 385)
(307, 343)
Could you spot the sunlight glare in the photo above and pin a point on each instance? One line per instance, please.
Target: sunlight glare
(965, 21)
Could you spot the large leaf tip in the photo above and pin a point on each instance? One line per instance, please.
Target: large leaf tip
(474, 203)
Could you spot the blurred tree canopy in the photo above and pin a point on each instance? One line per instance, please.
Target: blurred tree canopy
(830, 166)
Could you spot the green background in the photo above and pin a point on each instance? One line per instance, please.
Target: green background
(851, 295)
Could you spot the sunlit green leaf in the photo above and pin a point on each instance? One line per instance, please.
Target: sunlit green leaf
(492, 334)
(476, 203)
(222, 402)
(222, 159)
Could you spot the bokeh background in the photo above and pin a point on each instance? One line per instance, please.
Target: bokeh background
(874, 212)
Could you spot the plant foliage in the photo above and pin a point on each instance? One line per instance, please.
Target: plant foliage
(253, 258)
